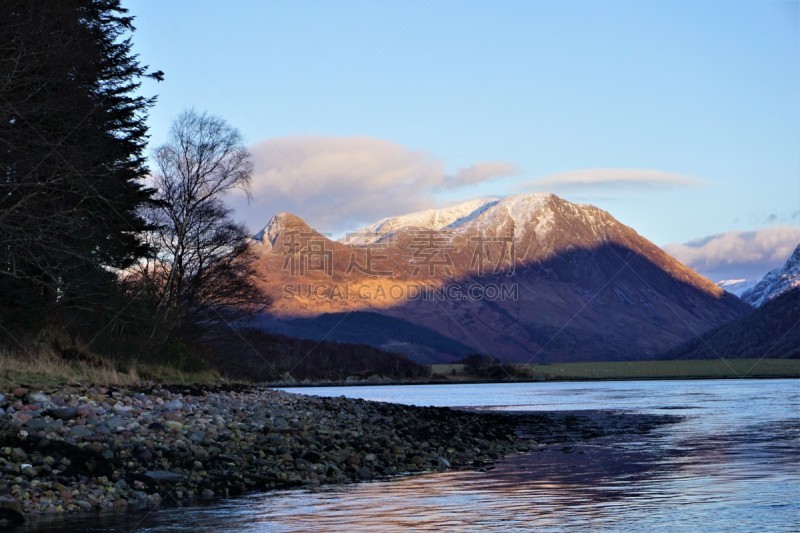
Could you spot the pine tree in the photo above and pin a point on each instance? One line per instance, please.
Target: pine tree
(72, 136)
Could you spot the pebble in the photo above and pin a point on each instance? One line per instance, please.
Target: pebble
(101, 448)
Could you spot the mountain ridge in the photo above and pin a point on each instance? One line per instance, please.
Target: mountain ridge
(775, 282)
(585, 282)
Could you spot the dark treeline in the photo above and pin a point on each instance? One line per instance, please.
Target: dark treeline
(101, 256)
(95, 249)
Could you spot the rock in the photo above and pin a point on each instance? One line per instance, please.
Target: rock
(207, 494)
(163, 476)
(36, 424)
(83, 504)
(173, 405)
(115, 422)
(2, 399)
(29, 472)
(122, 409)
(38, 397)
(63, 413)
(80, 432)
(19, 392)
(18, 455)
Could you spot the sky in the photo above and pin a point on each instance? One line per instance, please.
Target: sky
(682, 119)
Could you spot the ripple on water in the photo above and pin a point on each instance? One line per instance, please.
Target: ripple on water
(731, 464)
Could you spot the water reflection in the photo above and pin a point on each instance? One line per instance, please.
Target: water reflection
(731, 464)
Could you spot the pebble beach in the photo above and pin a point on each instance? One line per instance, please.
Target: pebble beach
(82, 449)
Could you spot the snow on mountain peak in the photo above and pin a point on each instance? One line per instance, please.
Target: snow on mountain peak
(278, 224)
(522, 208)
(737, 287)
(431, 219)
(775, 282)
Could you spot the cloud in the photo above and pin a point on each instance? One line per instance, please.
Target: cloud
(618, 177)
(339, 183)
(480, 172)
(738, 254)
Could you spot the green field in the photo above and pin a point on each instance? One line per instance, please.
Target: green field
(696, 368)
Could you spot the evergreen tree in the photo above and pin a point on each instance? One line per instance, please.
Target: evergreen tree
(72, 136)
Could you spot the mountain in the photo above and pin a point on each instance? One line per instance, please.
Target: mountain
(771, 331)
(736, 286)
(418, 343)
(775, 282)
(523, 278)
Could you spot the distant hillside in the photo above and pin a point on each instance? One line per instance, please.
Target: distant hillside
(418, 343)
(258, 356)
(771, 331)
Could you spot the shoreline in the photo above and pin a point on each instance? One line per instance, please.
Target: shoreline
(83, 449)
(388, 383)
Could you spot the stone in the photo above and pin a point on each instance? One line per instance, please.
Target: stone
(173, 405)
(80, 432)
(207, 494)
(18, 455)
(83, 504)
(63, 413)
(38, 397)
(163, 476)
(19, 392)
(115, 422)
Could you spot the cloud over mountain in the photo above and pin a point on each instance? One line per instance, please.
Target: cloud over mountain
(612, 177)
(738, 254)
(340, 182)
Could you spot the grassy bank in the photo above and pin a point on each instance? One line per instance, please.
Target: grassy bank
(44, 368)
(679, 369)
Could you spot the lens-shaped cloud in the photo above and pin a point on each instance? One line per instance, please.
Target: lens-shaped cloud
(618, 177)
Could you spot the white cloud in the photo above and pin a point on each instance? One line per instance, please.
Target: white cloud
(338, 183)
(483, 171)
(612, 176)
(738, 254)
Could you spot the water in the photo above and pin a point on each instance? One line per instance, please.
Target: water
(732, 464)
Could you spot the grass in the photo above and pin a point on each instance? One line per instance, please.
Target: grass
(43, 368)
(678, 369)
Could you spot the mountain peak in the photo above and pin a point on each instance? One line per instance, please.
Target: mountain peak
(775, 282)
(278, 225)
(461, 216)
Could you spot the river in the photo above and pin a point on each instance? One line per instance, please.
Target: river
(731, 464)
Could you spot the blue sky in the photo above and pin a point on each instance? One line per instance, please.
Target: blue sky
(704, 94)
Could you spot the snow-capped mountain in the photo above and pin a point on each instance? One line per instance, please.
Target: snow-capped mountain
(737, 286)
(776, 282)
(582, 285)
(429, 219)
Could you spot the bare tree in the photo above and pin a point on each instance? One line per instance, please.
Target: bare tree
(202, 270)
